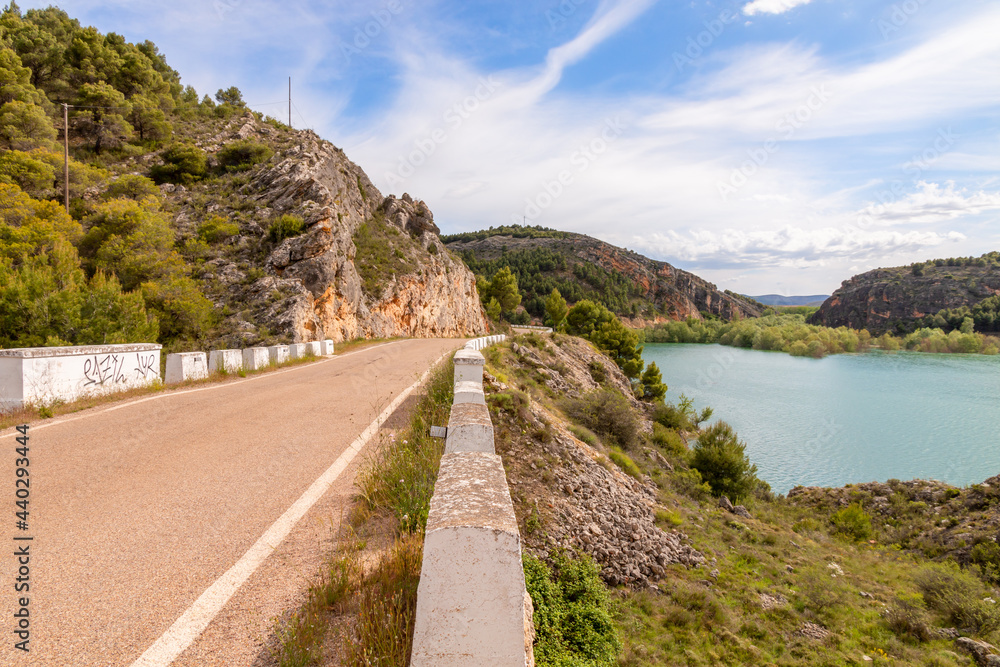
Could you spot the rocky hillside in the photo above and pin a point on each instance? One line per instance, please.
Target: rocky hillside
(193, 222)
(581, 267)
(365, 265)
(899, 299)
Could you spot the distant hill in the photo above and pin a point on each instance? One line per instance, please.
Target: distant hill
(939, 292)
(779, 300)
(582, 267)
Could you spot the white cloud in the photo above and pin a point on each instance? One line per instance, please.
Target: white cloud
(789, 246)
(771, 6)
(931, 203)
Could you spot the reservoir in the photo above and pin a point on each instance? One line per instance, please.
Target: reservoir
(847, 418)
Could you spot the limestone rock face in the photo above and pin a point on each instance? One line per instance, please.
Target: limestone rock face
(895, 299)
(316, 273)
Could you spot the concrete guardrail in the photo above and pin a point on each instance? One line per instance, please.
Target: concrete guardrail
(43, 375)
(191, 365)
(472, 605)
(278, 354)
(225, 361)
(256, 358)
(186, 366)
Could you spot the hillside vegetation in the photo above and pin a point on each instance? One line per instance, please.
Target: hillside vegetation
(791, 332)
(584, 268)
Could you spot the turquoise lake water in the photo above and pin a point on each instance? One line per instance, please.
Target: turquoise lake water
(847, 418)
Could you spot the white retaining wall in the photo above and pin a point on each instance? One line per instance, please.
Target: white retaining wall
(472, 606)
(42, 375)
(183, 366)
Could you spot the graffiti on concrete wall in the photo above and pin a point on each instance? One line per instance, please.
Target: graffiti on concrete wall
(105, 369)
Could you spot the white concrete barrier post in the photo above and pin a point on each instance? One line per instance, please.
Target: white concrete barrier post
(469, 366)
(256, 358)
(42, 375)
(470, 429)
(315, 348)
(277, 354)
(469, 392)
(472, 608)
(327, 348)
(297, 350)
(228, 361)
(186, 366)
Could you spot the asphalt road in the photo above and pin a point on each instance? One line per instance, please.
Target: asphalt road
(137, 508)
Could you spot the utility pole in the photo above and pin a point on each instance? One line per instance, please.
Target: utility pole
(66, 155)
(289, 101)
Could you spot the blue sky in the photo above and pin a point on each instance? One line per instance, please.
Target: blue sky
(767, 145)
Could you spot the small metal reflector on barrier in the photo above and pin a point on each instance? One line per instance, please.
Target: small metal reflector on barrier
(439, 431)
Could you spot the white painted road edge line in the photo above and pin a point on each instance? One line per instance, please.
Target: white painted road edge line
(193, 622)
(90, 412)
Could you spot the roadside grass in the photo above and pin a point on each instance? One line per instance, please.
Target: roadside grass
(363, 603)
(34, 413)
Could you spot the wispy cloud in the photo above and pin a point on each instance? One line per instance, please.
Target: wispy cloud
(933, 203)
(771, 6)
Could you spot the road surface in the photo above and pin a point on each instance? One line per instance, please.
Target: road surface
(138, 508)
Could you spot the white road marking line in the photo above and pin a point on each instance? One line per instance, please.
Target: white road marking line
(170, 394)
(193, 622)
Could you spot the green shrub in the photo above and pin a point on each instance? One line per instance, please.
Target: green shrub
(721, 459)
(241, 155)
(623, 461)
(182, 163)
(960, 597)
(853, 522)
(608, 414)
(132, 186)
(669, 440)
(583, 434)
(217, 229)
(285, 226)
(908, 619)
(690, 483)
(987, 556)
(671, 416)
(597, 371)
(572, 617)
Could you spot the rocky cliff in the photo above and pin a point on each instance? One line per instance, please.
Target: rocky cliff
(897, 299)
(635, 287)
(364, 265)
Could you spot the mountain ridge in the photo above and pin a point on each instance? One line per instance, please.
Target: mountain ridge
(635, 287)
